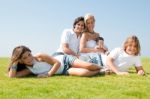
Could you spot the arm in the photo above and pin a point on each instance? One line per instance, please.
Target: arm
(67, 50)
(56, 64)
(14, 73)
(110, 63)
(140, 70)
(65, 39)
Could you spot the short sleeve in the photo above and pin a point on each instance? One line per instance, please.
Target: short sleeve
(114, 53)
(65, 36)
(138, 62)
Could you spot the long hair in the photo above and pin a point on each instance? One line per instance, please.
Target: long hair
(133, 39)
(86, 17)
(17, 55)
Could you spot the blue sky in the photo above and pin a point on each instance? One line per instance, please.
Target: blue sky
(38, 24)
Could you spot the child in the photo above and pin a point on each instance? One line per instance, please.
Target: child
(100, 45)
(44, 65)
(120, 59)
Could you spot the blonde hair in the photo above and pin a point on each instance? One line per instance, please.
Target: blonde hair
(132, 39)
(88, 16)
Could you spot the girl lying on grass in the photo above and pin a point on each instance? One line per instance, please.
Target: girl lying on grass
(44, 65)
(120, 59)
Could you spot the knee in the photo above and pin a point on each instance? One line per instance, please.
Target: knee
(84, 73)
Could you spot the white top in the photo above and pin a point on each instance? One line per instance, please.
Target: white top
(43, 68)
(70, 37)
(88, 56)
(123, 61)
(91, 44)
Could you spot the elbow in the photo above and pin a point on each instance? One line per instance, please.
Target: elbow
(11, 76)
(58, 64)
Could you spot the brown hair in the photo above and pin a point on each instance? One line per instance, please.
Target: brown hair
(77, 20)
(99, 38)
(17, 54)
(130, 40)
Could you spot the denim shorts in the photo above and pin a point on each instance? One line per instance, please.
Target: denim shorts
(68, 61)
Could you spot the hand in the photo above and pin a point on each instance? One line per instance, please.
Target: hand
(97, 47)
(77, 55)
(141, 72)
(101, 43)
(42, 76)
(122, 73)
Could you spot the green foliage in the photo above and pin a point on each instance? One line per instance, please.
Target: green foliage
(69, 87)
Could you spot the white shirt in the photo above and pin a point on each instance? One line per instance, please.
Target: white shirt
(123, 60)
(85, 56)
(70, 37)
(42, 68)
(91, 44)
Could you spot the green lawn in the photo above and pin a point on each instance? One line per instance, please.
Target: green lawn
(69, 87)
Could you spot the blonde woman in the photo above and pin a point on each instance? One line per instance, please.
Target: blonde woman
(88, 39)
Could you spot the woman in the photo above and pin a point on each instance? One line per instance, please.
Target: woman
(88, 39)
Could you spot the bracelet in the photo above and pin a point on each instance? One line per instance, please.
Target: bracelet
(14, 67)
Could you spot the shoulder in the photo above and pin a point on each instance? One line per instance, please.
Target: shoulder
(97, 34)
(41, 56)
(68, 31)
(85, 34)
(115, 51)
(118, 49)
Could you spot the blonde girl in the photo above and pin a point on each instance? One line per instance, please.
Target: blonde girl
(120, 59)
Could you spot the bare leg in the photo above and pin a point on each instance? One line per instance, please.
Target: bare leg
(82, 64)
(82, 72)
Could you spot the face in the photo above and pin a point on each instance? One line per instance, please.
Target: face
(100, 42)
(131, 49)
(79, 27)
(27, 58)
(90, 24)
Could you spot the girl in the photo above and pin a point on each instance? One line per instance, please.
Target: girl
(43, 65)
(120, 59)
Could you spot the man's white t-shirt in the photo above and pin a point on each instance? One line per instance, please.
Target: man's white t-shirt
(123, 61)
(70, 37)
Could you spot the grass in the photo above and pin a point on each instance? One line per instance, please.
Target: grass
(69, 87)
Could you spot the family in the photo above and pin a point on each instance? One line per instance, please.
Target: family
(82, 52)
